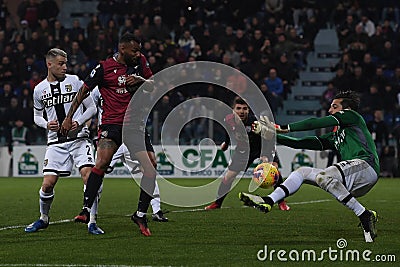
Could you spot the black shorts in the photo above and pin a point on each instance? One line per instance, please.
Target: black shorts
(111, 131)
(241, 161)
(138, 141)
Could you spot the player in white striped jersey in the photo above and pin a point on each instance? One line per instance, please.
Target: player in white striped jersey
(54, 96)
(132, 165)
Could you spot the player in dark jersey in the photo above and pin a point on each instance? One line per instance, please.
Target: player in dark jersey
(115, 77)
(240, 159)
(352, 177)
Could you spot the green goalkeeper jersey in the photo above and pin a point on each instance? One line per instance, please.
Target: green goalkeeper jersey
(350, 138)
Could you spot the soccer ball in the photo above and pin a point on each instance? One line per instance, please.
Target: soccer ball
(265, 175)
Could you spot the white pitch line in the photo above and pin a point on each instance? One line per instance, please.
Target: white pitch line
(62, 265)
(173, 211)
(309, 202)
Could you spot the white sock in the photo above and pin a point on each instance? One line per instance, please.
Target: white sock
(45, 200)
(355, 206)
(292, 183)
(155, 204)
(93, 211)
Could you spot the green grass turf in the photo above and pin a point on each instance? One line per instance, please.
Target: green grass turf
(231, 236)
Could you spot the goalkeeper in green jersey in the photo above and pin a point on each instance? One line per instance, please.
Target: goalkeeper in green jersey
(353, 177)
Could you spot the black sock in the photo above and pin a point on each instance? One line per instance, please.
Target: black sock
(92, 187)
(268, 200)
(365, 215)
(223, 190)
(280, 181)
(147, 185)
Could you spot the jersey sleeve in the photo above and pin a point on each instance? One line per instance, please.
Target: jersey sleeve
(346, 117)
(95, 77)
(314, 123)
(37, 102)
(322, 142)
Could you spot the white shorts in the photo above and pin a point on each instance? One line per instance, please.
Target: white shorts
(60, 158)
(124, 156)
(356, 175)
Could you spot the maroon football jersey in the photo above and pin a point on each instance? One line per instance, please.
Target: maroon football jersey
(110, 77)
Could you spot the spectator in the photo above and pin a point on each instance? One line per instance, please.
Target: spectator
(273, 8)
(76, 57)
(75, 30)
(93, 28)
(327, 96)
(287, 73)
(379, 79)
(340, 81)
(371, 101)
(187, 42)
(237, 83)
(359, 82)
(19, 135)
(180, 28)
(7, 71)
(272, 100)
(379, 131)
(44, 29)
(368, 66)
(357, 43)
(24, 31)
(367, 25)
(241, 41)
(48, 10)
(234, 55)
(275, 85)
(388, 57)
(227, 38)
(58, 32)
(158, 31)
(5, 96)
(345, 30)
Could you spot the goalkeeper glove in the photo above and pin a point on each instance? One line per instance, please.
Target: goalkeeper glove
(279, 128)
(267, 129)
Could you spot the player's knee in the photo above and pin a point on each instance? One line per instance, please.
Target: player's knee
(327, 178)
(47, 187)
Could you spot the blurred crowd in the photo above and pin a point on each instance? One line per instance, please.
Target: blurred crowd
(268, 40)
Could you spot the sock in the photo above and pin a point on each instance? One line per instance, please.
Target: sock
(353, 204)
(45, 200)
(364, 215)
(147, 184)
(279, 182)
(155, 204)
(223, 190)
(95, 206)
(291, 185)
(93, 185)
(156, 201)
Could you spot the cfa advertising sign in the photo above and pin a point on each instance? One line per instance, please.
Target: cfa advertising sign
(174, 162)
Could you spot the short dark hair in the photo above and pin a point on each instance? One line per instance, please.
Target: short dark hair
(350, 99)
(238, 100)
(129, 37)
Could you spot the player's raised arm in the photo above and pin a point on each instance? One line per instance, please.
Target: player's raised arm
(66, 125)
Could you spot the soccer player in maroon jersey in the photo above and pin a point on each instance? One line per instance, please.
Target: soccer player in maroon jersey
(115, 76)
(240, 159)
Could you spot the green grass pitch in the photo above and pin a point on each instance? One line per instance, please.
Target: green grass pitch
(232, 236)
